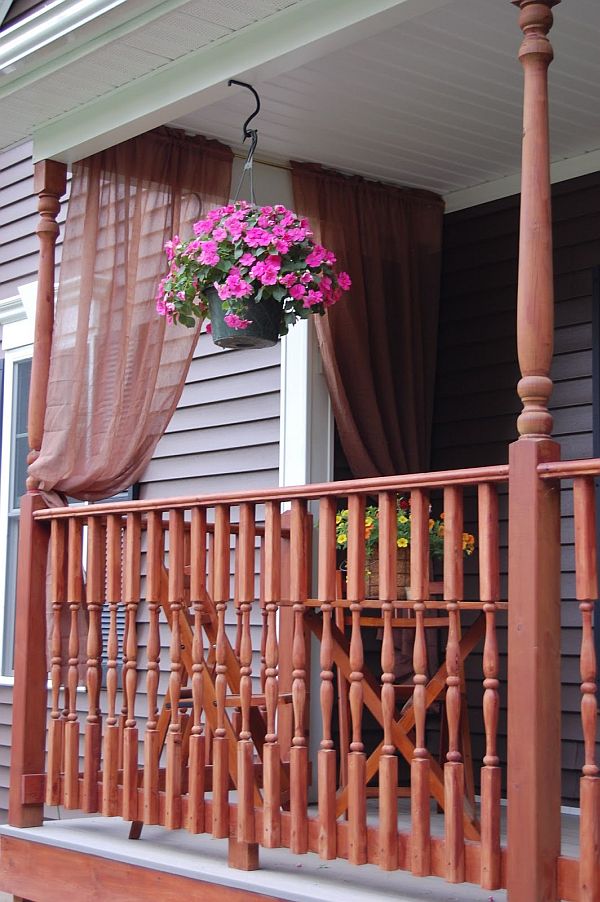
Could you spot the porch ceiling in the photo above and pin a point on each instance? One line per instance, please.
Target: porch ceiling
(435, 102)
(417, 92)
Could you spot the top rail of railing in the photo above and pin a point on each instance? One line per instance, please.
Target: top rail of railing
(569, 469)
(401, 483)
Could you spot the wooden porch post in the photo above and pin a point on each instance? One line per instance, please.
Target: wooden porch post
(30, 669)
(534, 772)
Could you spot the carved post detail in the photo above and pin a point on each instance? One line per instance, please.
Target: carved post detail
(533, 775)
(50, 182)
(535, 315)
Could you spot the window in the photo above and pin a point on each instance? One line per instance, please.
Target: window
(14, 468)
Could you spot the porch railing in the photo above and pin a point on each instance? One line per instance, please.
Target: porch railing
(235, 581)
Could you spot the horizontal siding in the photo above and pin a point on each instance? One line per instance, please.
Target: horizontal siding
(18, 220)
(476, 401)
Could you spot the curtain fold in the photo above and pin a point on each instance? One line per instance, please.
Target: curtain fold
(379, 344)
(117, 369)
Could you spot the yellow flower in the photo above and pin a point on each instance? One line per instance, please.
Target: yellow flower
(431, 525)
(338, 519)
(402, 543)
(369, 521)
(402, 519)
(342, 538)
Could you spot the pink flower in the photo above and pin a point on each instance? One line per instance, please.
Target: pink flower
(208, 253)
(267, 210)
(203, 227)
(269, 276)
(223, 290)
(279, 208)
(316, 256)
(247, 259)
(234, 227)
(264, 222)
(171, 247)
(281, 246)
(256, 237)
(209, 328)
(325, 284)
(295, 235)
(273, 260)
(306, 277)
(344, 281)
(219, 234)
(236, 322)
(297, 291)
(330, 258)
(312, 298)
(289, 279)
(238, 288)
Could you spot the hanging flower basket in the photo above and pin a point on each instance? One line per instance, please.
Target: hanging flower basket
(252, 271)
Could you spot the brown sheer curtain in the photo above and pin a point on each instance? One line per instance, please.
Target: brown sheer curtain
(117, 370)
(379, 343)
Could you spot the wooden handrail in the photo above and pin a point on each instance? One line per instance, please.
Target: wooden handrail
(568, 469)
(401, 483)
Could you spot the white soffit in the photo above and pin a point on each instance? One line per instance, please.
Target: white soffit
(435, 102)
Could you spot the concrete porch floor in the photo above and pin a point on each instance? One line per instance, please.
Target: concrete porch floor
(282, 875)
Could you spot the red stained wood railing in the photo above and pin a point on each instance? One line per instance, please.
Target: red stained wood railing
(183, 781)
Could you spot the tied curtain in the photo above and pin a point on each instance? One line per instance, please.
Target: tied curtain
(117, 369)
(379, 343)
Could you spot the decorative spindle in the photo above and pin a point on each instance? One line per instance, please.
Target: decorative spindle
(111, 735)
(50, 183)
(154, 568)
(357, 788)
(586, 590)
(489, 583)
(420, 764)
(453, 769)
(58, 558)
(197, 741)
(327, 755)
(132, 599)
(246, 553)
(220, 825)
(74, 597)
(174, 734)
(271, 754)
(299, 751)
(388, 763)
(95, 595)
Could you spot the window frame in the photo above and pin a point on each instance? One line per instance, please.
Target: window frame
(12, 357)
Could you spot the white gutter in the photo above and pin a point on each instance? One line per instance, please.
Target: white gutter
(46, 25)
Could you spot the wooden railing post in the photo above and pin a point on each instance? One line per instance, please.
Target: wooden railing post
(534, 772)
(50, 182)
(30, 694)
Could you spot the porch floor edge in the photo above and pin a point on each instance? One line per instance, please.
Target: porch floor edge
(282, 876)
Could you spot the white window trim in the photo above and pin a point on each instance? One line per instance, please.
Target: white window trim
(17, 321)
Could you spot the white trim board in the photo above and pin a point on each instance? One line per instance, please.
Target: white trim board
(560, 171)
(292, 37)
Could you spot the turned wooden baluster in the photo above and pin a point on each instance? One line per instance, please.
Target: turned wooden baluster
(491, 774)
(74, 597)
(388, 762)
(93, 727)
(420, 764)
(195, 822)
(220, 812)
(586, 590)
(245, 750)
(454, 777)
(327, 753)
(299, 752)
(154, 567)
(174, 734)
(110, 755)
(357, 781)
(58, 558)
(133, 533)
(271, 753)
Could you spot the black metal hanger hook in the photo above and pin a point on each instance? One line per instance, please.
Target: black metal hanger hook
(248, 132)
